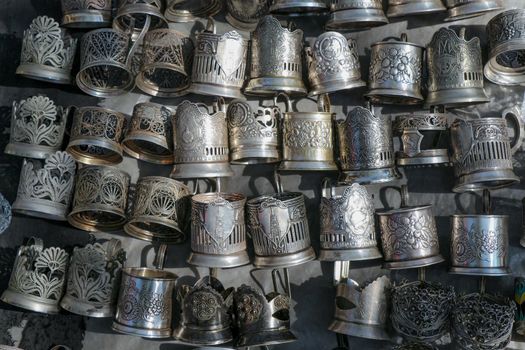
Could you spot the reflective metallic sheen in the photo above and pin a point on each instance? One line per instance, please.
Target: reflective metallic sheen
(190, 10)
(139, 16)
(86, 13)
(401, 8)
(245, 14)
(298, 7)
(461, 9)
(355, 14)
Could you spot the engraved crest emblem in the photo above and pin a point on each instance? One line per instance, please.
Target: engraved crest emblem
(275, 220)
(221, 220)
(228, 47)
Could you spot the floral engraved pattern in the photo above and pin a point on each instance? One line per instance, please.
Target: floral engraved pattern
(421, 122)
(475, 244)
(52, 182)
(407, 233)
(102, 186)
(506, 27)
(245, 124)
(333, 54)
(248, 308)
(45, 43)
(204, 305)
(152, 119)
(248, 11)
(76, 5)
(38, 121)
(94, 273)
(307, 134)
(143, 304)
(395, 64)
(98, 122)
(40, 273)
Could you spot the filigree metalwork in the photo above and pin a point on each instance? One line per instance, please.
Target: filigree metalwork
(47, 51)
(244, 14)
(5, 214)
(421, 310)
(45, 190)
(37, 127)
(86, 13)
(483, 322)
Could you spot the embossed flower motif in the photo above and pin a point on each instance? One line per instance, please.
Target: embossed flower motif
(394, 64)
(249, 309)
(52, 260)
(38, 108)
(204, 306)
(111, 191)
(45, 30)
(92, 258)
(153, 305)
(61, 161)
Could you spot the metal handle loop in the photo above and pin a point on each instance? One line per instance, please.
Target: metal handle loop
(515, 115)
(160, 257)
(278, 182)
(287, 101)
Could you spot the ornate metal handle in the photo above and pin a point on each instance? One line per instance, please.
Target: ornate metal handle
(210, 26)
(286, 100)
(160, 258)
(403, 191)
(517, 124)
(219, 106)
(278, 182)
(37, 243)
(114, 245)
(328, 183)
(324, 104)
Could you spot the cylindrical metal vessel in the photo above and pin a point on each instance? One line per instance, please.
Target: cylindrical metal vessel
(355, 14)
(190, 10)
(137, 15)
(86, 14)
(298, 7)
(401, 8)
(245, 14)
(479, 245)
(461, 9)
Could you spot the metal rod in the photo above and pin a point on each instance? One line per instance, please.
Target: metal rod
(341, 271)
(218, 183)
(421, 274)
(214, 272)
(482, 285)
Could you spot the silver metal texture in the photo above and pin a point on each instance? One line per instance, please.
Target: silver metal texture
(366, 148)
(355, 14)
(455, 70)
(145, 300)
(395, 72)
(96, 134)
(167, 58)
(362, 311)
(5, 214)
(461, 9)
(86, 13)
(308, 138)
(402, 8)
(414, 346)
(149, 136)
(413, 129)
(47, 52)
(37, 127)
(482, 152)
(161, 210)
(93, 279)
(219, 65)
(105, 63)
(409, 236)
(254, 134)
(190, 10)
(139, 16)
(479, 245)
(38, 278)
(205, 313)
(482, 321)
(200, 141)
(347, 226)
(421, 310)
(245, 14)
(279, 229)
(298, 7)
(262, 320)
(218, 230)
(506, 37)
(333, 64)
(276, 59)
(45, 187)
(99, 203)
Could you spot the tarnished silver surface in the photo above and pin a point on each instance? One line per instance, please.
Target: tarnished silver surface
(5, 214)
(139, 16)
(279, 229)
(455, 70)
(482, 322)
(461, 9)
(218, 230)
(86, 13)
(333, 64)
(262, 320)
(362, 311)
(355, 14)
(482, 152)
(164, 70)
(401, 8)
(276, 59)
(149, 136)
(413, 129)
(395, 75)
(38, 277)
(47, 52)
(347, 226)
(161, 210)
(205, 313)
(145, 302)
(414, 346)
(421, 310)
(99, 203)
(105, 63)
(254, 134)
(96, 134)
(245, 14)
(366, 148)
(190, 10)
(200, 141)
(93, 279)
(506, 37)
(219, 64)
(308, 139)
(45, 187)
(37, 127)
(298, 7)
(479, 245)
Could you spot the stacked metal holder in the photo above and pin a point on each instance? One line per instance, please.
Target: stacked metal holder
(401, 8)
(86, 14)
(189, 10)
(245, 14)
(461, 9)
(139, 16)
(355, 14)
(298, 7)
